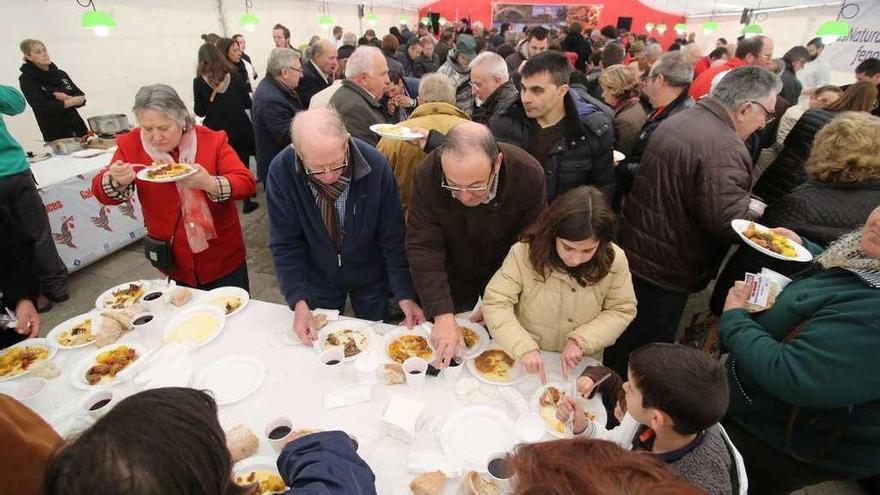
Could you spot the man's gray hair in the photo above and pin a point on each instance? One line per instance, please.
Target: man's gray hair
(653, 50)
(349, 38)
(743, 84)
(493, 63)
(163, 99)
(436, 88)
(361, 61)
(325, 121)
(319, 46)
(468, 137)
(675, 68)
(280, 58)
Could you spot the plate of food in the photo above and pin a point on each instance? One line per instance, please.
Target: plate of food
(472, 434)
(353, 336)
(123, 295)
(166, 172)
(106, 367)
(74, 333)
(16, 360)
(199, 324)
(402, 344)
(230, 299)
(260, 470)
(476, 338)
(395, 132)
(496, 367)
(547, 399)
(770, 243)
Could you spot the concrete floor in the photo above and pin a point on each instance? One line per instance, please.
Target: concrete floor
(129, 264)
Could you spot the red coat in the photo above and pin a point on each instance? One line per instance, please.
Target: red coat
(702, 85)
(160, 204)
(702, 64)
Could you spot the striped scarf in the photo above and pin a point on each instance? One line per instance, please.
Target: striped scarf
(326, 201)
(846, 253)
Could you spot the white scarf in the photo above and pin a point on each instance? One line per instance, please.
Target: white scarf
(846, 253)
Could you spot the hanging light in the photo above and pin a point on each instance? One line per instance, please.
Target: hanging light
(649, 26)
(680, 29)
(99, 21)
(325, 20)
(248, 20)
(710, 27)
(753, 29)
(442, 21)
(403, 19)
(661, 28)
(831, 31)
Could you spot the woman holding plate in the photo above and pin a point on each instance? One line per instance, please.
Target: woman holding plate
(804, 401)
(566, 287)
(193, 231)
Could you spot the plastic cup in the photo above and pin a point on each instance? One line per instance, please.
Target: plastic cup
(143, 320)
(415, 369)
(757, 206)
(366, 368)
(98, 403)
(278, 432)
(498, 466)
(453, 372)
(153, 300)
(332, 359)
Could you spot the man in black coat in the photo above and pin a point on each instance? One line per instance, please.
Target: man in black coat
(575, 42)
(795, 59)
(275, 103)
(318, 72)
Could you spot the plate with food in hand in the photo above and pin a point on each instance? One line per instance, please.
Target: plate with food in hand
(496, 367)
(770, 243)
(396, 132)
(166, 172)
(547, 399)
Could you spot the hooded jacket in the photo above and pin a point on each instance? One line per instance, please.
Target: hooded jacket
(39, 86)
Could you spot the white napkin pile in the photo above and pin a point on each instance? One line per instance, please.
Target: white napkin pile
(347, 396)
(401, 417)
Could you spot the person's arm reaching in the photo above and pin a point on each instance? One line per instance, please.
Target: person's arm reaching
(325, 463)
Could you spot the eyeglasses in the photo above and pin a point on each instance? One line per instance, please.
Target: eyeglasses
(445, 185)
(297, 69)
(337, 168)
(768, 115)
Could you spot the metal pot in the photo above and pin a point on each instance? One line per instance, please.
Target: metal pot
(109, 124)
(66, 146)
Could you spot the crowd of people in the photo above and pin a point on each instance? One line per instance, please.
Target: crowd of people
(513, 206)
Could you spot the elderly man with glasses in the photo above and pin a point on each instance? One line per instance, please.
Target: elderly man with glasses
(470, 201)
(336, 225)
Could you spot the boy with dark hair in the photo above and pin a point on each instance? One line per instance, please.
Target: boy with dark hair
(869, 71)
(677, 394)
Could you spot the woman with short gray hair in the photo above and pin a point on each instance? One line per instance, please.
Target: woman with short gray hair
(193, 233)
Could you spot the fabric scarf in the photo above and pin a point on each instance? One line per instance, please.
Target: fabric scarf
(197, 219)
(218, 88)
(326, 201)
(846, 253)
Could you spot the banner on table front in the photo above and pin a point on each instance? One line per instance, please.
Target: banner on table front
(545, 14)
(863, 41)
(84, 230)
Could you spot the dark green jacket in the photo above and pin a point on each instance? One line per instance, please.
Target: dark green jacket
(829, 371)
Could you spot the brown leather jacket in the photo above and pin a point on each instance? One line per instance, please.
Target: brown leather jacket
(693, 180)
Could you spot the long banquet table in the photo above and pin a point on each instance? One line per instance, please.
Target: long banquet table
(294, 387)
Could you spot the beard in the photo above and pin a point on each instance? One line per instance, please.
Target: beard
(814, 56)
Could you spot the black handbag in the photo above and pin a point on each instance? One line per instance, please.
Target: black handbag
(159, 253)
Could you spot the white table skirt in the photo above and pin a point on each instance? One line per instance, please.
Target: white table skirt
(294, 387)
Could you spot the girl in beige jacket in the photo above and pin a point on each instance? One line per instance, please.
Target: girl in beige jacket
(565, 288)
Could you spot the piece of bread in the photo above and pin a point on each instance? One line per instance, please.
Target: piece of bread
(123, 319)
(473, 483)
(109, 330)
(180, 296)
(394, 374)
(428, 483)
(241, 442)
(319, 320)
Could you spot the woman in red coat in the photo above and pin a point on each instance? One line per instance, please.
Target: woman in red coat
(168, 132)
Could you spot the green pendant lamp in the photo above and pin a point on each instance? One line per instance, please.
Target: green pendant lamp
(98, 21)
(249, 22)
(753, 29)
(710, 27)
(680, 29)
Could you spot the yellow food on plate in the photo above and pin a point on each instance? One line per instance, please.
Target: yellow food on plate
(168, 171)
(494, 364)
(228, 303)
(109, 363)
(770, 240)
(78, 335)
(407, 346)
(471, 338)
(549, 415)
(16, 360)
(351, 341)
(198, 328)
(394, 130)
(124, 298)
(269, 482)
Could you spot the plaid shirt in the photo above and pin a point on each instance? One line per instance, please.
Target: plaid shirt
(118, 192)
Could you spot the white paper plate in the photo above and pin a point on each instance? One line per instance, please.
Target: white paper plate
(516, 375)
(740, 226)
(474, 433)
(593, 405)
(420, 330)
(210, 297)
(67, 325)
(188, 313)
(406, 133)
(101, 301)
(231, 379)
(260, 463)
(24, 389)
(142, 175)
(334, 326)
(78, 373)
(38, 342)
(88, 153)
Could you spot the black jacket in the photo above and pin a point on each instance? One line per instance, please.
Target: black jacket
(787, 170)
(424, 65)
(38, 86)
(344, 51)
(227, 113)
(407, 63)
(497, 101)
(819, 211)
(583, 157)
(274, 108)
(791, 87)
(311, 83)
(575, 42)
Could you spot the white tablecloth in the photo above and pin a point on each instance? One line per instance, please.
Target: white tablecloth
(84, 230)
(294, 387)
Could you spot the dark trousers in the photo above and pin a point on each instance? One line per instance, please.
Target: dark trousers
(659, 311)
(19, 194)
(368, 303)
(237, 278)
(771, 471)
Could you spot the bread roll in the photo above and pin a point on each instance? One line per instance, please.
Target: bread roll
(428, 483)
(180, 296)
(394, 374)
(241, 442)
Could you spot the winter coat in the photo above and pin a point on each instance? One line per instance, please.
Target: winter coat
(359, 111)
(227, 113)
(311, 83)
(575, 42)
(497, 101)
(39, 86)
(629, 117)
(275, 105)
(325, 463)
(461, 81)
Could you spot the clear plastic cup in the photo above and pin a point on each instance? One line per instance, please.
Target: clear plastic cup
(415, 369)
